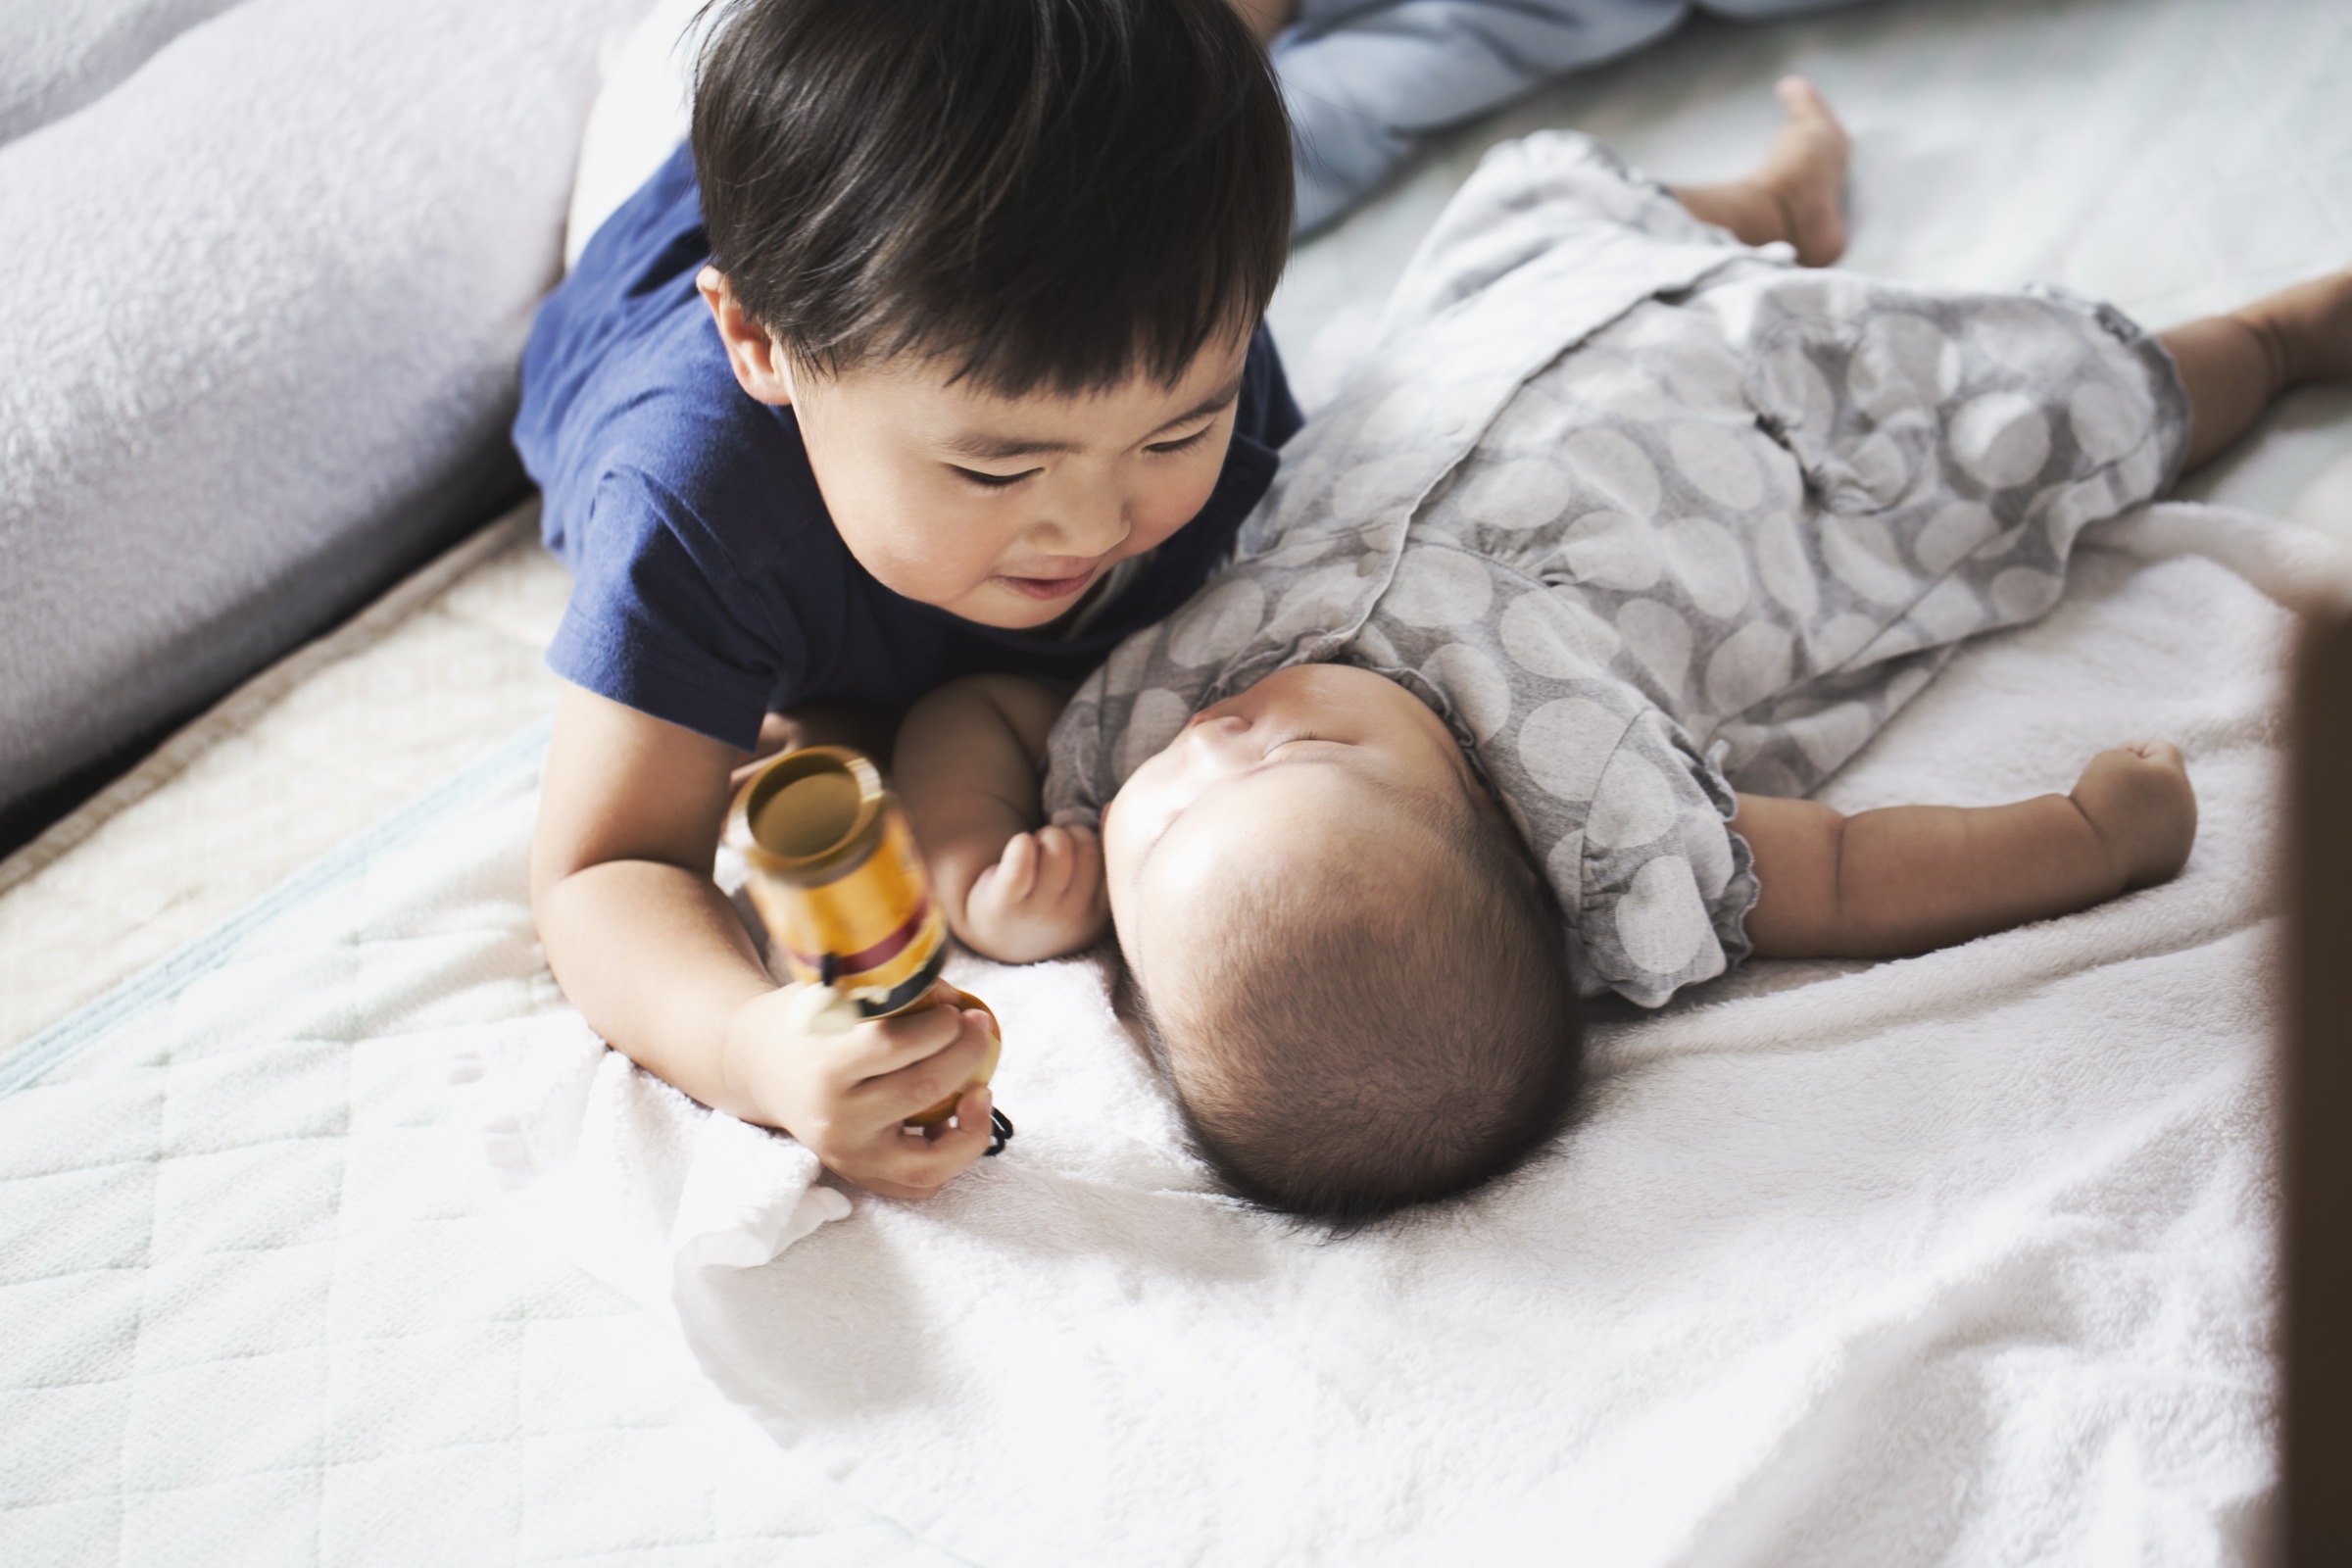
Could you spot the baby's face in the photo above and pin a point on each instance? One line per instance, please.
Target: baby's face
(1003, 511)
(1318, 772)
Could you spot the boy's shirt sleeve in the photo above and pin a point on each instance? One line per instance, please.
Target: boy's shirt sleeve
(661, 622)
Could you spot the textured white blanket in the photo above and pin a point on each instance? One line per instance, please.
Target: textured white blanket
(1958, 1259)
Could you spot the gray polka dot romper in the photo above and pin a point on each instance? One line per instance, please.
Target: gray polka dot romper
(1645, 515)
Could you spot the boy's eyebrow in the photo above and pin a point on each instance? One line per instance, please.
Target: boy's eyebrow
(1208, 405)
(982, 445)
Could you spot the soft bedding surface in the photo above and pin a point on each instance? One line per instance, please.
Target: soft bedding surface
(256, 1308)
(1962, 1259)
(1958, 1259)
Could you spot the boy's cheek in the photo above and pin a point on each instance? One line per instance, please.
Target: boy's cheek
(937, 560)
(1161, 512)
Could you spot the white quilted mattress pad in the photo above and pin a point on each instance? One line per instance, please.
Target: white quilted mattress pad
(256, 1298)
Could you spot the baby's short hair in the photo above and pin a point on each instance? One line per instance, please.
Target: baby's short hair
(1366, 1049)
(1040, 193)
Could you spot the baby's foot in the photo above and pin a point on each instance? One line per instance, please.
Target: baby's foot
(2138, 799)
(1804, 172)
(2306, 329)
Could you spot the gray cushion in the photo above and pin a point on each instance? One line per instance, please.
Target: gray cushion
(260, 310)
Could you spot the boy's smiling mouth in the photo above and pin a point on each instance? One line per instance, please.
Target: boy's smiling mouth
(1050, 588)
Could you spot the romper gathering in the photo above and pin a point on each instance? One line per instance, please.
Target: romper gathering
(1300, 781)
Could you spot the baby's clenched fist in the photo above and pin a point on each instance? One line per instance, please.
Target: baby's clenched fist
(2138, 799)
(1042, 898)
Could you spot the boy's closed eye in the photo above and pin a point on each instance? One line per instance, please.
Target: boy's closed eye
(1183, 443)
(1001, 481)
(993, 481)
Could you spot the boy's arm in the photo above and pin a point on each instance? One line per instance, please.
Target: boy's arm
(966, 767)
(655, 959)
(1908, 878)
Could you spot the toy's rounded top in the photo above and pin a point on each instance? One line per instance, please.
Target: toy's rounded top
(810, 815)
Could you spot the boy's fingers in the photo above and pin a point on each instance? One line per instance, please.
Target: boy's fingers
(917, 1167)
(877, 1050)
(923, 1084)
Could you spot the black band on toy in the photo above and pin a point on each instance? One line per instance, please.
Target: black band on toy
(1001, 1125)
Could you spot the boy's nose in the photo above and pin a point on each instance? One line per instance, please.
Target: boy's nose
(1088, 524)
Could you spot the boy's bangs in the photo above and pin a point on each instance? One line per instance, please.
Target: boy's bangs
(1044, 194)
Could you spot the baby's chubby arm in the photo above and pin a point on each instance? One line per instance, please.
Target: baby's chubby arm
(1908, 878)
(654, 957)
(966, 768)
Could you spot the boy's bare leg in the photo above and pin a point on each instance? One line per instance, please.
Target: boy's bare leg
(2233, 365)
(1797, 193)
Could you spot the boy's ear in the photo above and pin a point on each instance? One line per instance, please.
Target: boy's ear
(761, 367)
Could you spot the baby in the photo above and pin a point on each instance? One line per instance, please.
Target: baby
(1629, 538)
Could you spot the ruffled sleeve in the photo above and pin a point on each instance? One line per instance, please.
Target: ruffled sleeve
(1665, 884)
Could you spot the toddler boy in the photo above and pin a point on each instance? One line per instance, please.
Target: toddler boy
(937, 351)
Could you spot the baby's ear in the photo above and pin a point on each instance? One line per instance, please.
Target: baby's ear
(761, 367)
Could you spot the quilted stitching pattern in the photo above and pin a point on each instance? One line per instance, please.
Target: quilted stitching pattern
(251, 1309)
(258, 1308)
(308, 756)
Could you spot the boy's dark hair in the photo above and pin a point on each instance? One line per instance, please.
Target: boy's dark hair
(1367, 1053)
(1053, 193)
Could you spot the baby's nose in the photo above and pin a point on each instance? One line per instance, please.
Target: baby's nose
(1221, 739)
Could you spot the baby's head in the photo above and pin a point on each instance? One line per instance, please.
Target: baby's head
(1002, 260)
(1353, 980)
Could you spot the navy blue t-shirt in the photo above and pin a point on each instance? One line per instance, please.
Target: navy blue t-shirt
(709, 583)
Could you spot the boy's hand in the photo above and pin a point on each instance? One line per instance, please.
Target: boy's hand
(1042, 898)
(848, 1095)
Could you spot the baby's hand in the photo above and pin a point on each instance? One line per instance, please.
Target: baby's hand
(2138, 799)
(1042, 898)
(848, 1095)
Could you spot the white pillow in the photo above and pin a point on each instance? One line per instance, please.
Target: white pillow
(640, 115)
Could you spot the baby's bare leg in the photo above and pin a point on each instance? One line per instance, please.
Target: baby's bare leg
(1909, 878)
(2233, 365)
(1797, 194)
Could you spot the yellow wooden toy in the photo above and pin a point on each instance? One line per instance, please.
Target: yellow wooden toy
(834, 875)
